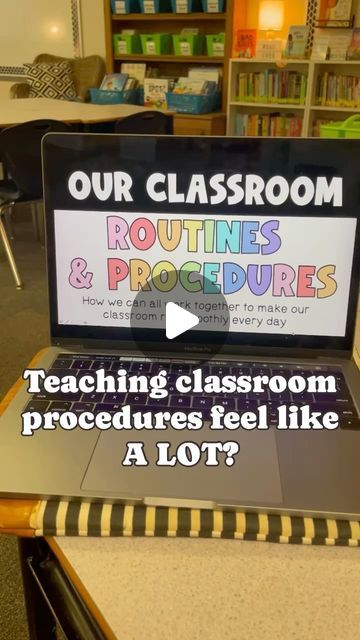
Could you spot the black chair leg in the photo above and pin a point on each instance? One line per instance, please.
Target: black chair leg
(8, 250)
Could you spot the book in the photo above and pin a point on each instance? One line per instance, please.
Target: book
(155, 90)
(272, 86)
(134, 70)
(194, 87)
(213, 74)
(321, 47)
(339, 44)
(338, 90)
(266, 125)
(336, 13)
(297, 41)
(353, 52)
(269, 49)
(245, 43)
(114, 82)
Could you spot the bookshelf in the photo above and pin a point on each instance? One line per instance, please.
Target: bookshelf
(310, 111)
(208, 23)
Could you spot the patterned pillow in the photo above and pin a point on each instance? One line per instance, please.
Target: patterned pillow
(50, 80)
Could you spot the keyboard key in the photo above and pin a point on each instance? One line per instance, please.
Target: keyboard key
(107, 407)
(201, 402)
(180, 369)
(80, 407)
(37, 405)
(66, 397)
(228, 403)
(60, 406)
(61, 364)
(177, 402)
(134, 398)
(92, 397)
(115, 398)
(157, 402)
(81, 364)
(140, 367)
(101, 364)
(124, 364)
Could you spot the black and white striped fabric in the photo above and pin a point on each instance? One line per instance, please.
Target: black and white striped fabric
(50, 80)
(63, 518)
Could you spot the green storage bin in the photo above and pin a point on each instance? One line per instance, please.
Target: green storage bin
(126, 44)
(350, 128)
(215, 44)
(155, 43)
(188, 45)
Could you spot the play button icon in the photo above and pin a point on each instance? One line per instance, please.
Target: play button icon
(178, 320)
(181, 312)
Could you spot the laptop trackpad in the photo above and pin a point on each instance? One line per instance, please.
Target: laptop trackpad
(253, 479)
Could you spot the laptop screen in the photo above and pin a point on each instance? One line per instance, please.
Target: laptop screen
(257, 238)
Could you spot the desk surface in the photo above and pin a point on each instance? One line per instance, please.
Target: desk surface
(25, 109)
(158, 588)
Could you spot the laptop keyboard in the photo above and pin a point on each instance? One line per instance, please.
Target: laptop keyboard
(341, 402)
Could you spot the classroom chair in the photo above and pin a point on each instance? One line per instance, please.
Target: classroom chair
(20, 151)
(146, 122)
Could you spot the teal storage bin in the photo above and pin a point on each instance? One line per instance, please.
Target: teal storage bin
(215, 45)
(213, 6)
(186, 6)
(348, 129)
(99, 96)
(124, 6)
(188, 45)
(155, 6)
(187, 103)
(156, 43)
(126, 44)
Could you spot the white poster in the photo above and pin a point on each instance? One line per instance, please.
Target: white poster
(279, 275)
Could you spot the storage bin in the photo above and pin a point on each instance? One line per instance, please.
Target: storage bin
(186, 6)
(125, 6)
(350, 128)
(155, 6)
(213, 6)
(188, 45)
(99, 96)
(187, 103)
(126, 44)
(156, 43)
(215, 44)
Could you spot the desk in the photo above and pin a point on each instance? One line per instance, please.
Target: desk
(25, 109)
(159, 588)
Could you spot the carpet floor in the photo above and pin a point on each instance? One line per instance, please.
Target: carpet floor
(24, 330)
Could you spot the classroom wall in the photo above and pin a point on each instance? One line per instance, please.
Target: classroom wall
(294, 13)
(93, 27)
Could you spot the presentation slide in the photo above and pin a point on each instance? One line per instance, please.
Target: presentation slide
(278, 275)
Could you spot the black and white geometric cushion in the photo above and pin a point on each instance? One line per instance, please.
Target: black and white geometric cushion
(50, 80)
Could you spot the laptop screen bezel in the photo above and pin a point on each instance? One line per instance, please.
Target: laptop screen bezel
(75, 146)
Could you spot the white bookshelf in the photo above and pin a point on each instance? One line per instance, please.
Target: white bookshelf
(310, 111)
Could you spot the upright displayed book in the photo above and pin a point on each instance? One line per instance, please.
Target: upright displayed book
(353, 52)
(335, 13)
(155, 90)
(114, 82)
(135, 70)
(321, 47)
(297, 41)
(245, 43)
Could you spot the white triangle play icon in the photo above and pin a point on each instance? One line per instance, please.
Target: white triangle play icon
(178, 320)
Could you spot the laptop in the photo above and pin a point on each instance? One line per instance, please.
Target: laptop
(256, 238)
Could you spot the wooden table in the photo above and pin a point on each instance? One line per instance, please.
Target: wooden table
(25, 109)
(187, 588)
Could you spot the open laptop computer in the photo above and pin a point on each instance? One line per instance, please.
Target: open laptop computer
(297, 202)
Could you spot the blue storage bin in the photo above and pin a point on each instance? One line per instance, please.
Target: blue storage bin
(185, 6)
(154, 6)
(187, 103)
(213, 6)
(124, 6)
(99, 96)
